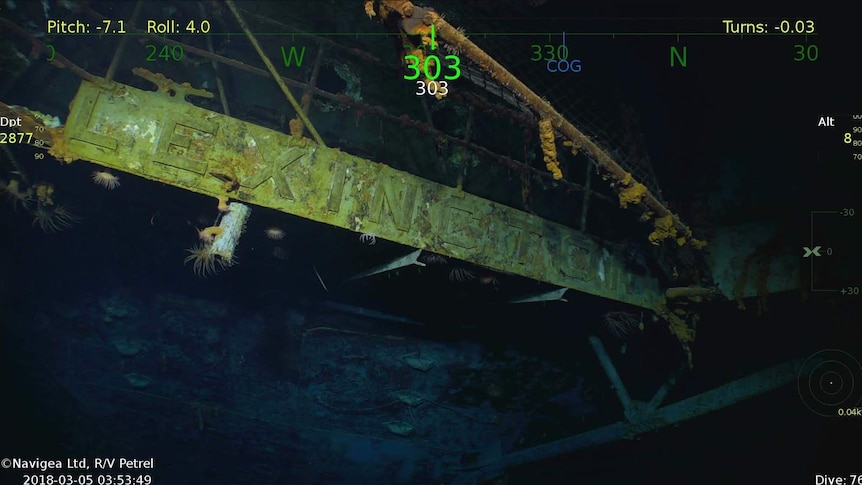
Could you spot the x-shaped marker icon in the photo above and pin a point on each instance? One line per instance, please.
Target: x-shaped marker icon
(809, 251)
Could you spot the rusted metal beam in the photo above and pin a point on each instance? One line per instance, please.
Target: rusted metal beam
(275, 76)
(222, 94)
(296, 123)
(601, 158)
(416, 21)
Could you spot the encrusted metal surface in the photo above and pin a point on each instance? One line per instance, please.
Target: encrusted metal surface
(162, 137)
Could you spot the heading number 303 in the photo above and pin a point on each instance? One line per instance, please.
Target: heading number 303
(431, 67)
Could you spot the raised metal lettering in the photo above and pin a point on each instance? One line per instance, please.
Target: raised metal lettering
(396, 197)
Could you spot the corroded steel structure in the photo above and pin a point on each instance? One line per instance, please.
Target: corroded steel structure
(162, 137)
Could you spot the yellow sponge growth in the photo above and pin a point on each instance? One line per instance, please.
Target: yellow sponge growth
(664, 229)
(549, 148)
(632, 194)
(699, 244)
(677, 325)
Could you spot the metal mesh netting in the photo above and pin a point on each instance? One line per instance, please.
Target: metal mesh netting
(593, 104)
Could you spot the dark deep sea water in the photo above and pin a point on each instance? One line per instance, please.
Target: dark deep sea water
(112, 346)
